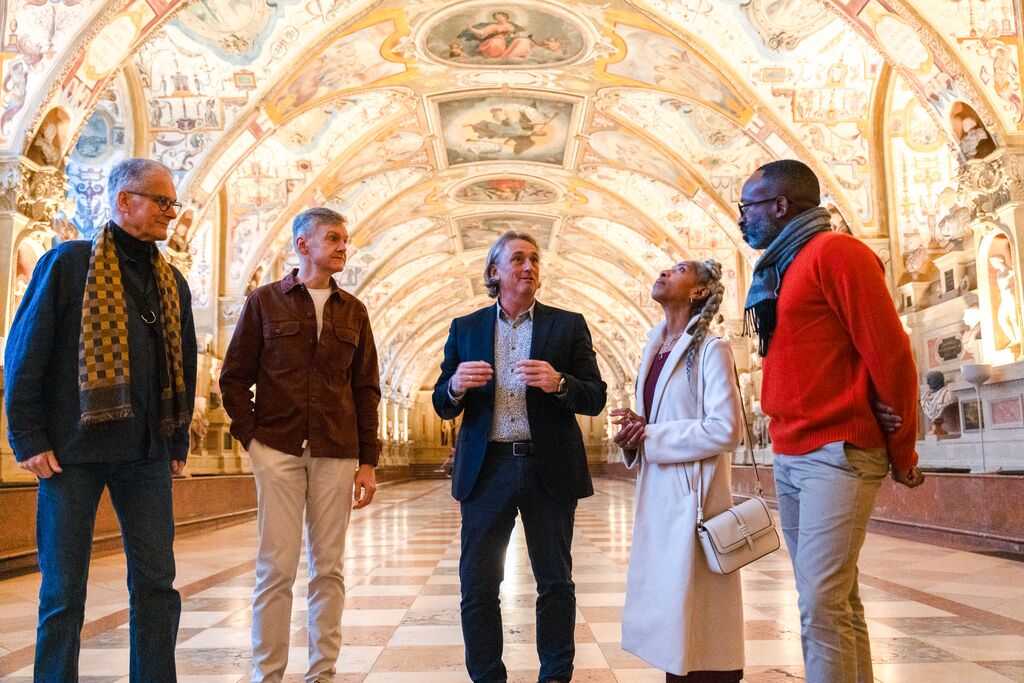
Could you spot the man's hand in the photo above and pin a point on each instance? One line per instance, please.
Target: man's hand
(911, 477)
(539, 374)
(886, 417)
(471, 374)
(44, 465)
(365, 486)
(633, 429)
(177, 467)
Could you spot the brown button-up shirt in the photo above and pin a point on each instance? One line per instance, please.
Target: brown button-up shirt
(321, 392)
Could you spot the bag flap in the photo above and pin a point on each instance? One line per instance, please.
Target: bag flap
(729, 530)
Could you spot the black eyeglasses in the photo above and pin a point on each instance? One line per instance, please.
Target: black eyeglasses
(162, 202)
(743, 207)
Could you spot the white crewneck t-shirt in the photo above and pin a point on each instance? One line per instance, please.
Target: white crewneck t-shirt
(319, 299)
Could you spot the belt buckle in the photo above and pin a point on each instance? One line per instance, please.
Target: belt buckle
(525, 448)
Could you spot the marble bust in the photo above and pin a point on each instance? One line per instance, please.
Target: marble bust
(935, 400)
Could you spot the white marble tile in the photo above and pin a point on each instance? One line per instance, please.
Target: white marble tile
(426, 635)
(773, 653)
(372, 617)
(980, 648)
(944, 672)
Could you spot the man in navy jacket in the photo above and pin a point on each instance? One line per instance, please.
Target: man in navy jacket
(518, 372)
(100, 371)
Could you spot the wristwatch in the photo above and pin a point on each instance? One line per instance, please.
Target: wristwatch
(561, 386)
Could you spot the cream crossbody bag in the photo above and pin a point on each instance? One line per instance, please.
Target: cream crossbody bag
(743, 533)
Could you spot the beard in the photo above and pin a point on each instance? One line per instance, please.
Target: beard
(759, 233)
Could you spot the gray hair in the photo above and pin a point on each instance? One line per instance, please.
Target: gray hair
(709, 274)
(496, 250)
(306, 221)
(126, 174)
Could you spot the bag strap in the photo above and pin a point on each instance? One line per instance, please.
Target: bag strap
(748, 441)
(700, 416)
(748, 438)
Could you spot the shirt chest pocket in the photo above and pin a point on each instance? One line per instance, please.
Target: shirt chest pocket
(342, 346)
(283, 343)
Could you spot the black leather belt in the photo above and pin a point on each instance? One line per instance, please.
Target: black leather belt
(517, 448)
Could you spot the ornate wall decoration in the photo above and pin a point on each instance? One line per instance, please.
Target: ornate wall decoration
(664, 62)
(783, 24)
(986, 35)
(353, 61)
(105, 140)
(923, 181)
(232, 28)
(34, 38)
(509, 35)
(629, 151)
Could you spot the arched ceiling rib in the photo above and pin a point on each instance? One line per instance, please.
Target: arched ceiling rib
(619, 132)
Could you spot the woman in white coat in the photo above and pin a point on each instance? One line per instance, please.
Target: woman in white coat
(680, 616)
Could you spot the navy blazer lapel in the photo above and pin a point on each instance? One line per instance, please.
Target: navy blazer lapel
(483, 335)
(542, 321)
(483, 342)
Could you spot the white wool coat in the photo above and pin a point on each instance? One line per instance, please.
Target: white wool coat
(679, 615)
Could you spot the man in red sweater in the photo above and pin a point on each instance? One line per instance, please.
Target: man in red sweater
(832, 346)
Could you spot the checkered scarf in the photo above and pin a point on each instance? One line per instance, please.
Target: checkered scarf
(766, 281)
(104, 373)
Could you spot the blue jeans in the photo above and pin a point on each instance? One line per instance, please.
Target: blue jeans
(141, 494)
(508, 484)
(825, 500)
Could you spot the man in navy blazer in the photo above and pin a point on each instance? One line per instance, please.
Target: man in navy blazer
(519, 372)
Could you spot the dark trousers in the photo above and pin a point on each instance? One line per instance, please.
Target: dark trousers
(507, 485)
(141, 494)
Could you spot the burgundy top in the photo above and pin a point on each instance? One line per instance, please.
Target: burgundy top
(652, 381)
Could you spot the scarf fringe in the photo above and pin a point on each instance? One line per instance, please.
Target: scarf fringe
(96, 417)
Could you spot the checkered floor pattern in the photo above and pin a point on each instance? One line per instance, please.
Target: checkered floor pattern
(935, 614)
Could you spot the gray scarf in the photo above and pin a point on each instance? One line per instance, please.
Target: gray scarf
(759, 310)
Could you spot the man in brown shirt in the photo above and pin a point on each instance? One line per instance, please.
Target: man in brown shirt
(311, 431)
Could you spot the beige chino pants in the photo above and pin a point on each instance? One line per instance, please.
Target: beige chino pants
(287, 486)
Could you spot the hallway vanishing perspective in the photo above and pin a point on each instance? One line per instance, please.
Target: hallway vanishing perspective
(936, 615)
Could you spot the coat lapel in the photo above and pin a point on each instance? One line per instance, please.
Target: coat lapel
(483, 342)
(674, 358)
(542, 321)
(645, 365)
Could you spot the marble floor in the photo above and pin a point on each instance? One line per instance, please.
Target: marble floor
(935, 614)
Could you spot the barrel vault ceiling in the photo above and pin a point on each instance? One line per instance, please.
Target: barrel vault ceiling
(617, 132)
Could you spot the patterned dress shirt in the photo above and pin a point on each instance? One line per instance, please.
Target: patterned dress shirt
(512, 339)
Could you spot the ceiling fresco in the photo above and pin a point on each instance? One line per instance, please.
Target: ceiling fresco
(617, 132)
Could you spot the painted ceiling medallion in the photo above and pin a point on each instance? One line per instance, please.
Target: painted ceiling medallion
(531, 127)
(480, 231)
(505, 191)
(504, 35)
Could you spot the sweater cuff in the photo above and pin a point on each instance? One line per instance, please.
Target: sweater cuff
(369, 453)
(29, 444)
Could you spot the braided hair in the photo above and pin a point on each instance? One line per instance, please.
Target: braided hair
(709, 274)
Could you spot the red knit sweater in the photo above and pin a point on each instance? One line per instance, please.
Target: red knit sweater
(838, 345)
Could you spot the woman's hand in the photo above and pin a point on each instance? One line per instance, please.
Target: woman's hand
(633, 428)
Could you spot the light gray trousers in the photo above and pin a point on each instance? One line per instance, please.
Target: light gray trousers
(825, 499)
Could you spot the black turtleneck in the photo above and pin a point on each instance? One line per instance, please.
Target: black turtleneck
(132, 246)
(142, 302)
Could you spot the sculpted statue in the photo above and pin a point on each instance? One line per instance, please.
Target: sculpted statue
(1006, 313)
(935, 400)
(199, 426)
